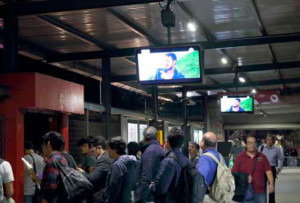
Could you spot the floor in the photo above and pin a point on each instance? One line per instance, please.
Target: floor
(288, 186)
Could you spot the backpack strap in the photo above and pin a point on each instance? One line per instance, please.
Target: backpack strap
(173, 155)
(214, 157)
(262, 148)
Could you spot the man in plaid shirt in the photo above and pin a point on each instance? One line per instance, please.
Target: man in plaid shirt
(51, 187)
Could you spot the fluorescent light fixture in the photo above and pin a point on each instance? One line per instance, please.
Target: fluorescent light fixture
(224, 60)
(254, 91)
(242, 80)
(192, 27)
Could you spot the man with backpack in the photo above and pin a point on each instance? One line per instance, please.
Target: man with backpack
(152, 155)
(31, 188)
(6, 181)
(165, 188)
(213, 167)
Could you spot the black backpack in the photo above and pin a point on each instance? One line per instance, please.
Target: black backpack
(76, 186)
(191, 187)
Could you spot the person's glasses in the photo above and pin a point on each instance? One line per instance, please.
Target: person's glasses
(92, 150)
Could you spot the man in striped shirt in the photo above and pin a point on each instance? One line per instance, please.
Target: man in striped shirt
(274, 156)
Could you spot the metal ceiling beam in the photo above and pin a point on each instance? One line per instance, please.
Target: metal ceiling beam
(232, 85)
(43, 7)
(222, 44)
(218, 71)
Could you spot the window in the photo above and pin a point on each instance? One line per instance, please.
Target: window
(142, 128)
(132, 132)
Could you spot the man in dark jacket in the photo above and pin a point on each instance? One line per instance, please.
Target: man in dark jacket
(152, 154)
(167, 179)
(98, 176)
(122, 175)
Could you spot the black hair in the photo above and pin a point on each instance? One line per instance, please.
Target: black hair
(88, 140)
(176, 137)
(172, 55)
(196, 145)
(100, 141)
(239, 100)
(271, 136)
(133, 148)
(118, 144)
(28, 145)
(209, 143)
(250, 136)
(55, 139)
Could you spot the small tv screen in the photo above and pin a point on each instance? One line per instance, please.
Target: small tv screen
(237, 104)
(169, 65)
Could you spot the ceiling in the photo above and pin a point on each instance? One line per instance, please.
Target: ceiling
(140, 25)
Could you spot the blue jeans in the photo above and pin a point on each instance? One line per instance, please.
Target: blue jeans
(28, 199)
(260, 198)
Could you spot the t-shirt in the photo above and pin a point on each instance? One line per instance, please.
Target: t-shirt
(245, 164)
(29, 185)
(6, 176)
(235, 151)
(70, 160)
(88, 162)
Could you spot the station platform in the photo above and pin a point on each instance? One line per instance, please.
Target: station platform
(288, 186)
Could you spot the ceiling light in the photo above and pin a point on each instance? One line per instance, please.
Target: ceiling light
(254, 91)
(224, 60)
(242, 80)
(192, 27)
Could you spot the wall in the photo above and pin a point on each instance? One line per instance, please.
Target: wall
(214, 119)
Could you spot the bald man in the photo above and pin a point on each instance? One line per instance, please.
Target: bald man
(206, 165)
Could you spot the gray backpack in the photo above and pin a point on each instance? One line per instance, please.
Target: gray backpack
(223, 187)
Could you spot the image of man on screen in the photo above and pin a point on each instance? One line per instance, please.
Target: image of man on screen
(237, 107)
(170, 71)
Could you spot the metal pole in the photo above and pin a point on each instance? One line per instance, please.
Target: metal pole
(106, 82)
(169, 36)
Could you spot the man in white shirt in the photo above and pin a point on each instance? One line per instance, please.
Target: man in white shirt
(6, 181)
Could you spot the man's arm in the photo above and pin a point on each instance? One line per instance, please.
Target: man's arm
(203, 167)
(280, 160)
(8, 179)
(271, 181)
(163, 179)
(9, 189)
(96, 176)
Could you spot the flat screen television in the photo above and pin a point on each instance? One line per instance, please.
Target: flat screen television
(169, 65)
(237, 104)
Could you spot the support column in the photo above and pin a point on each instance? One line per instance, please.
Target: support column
(106, 94)
(154, 106)
(64, 129)
(11, 44)
(185, 127)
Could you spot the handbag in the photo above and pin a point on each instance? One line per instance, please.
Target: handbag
(250, 193)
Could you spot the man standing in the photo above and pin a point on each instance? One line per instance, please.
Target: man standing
(273, 155)
(37, 162)
(245, 163)
(152, 154)
(170, 71)
(122, 175)
(98, 176)
(193, 151)
(6, 181)
(236, 150)
(237, 106)
(207, 166)
(168, 176)
(51, 187)
(89, 159)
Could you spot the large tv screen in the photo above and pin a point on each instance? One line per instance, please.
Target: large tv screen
(169, 65)
(237, 104)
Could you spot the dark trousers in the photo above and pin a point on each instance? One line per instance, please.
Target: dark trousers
(272, 195)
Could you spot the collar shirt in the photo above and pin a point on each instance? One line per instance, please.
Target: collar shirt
(273, 155)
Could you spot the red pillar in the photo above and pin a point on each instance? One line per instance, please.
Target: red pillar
(64, 129)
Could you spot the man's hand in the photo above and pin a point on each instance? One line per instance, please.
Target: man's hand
(277, 173)
(250, 179)
(165, 75)
(271, 188)
(80, 170)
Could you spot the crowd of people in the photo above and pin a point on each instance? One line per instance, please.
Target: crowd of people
(121, 173)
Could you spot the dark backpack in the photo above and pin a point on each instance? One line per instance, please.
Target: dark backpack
(76, 186)
(191, 187)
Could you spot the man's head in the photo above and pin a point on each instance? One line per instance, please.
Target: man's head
(194, 148)
(150, 134)
(28, 147)
(175, 139)
(270, 140)
(52, 141)
(251, 144)
(209, 141)
(237, 103)
(116, 147)
(171, 61)
(85, 144)
(99, 146)
(133, 148)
